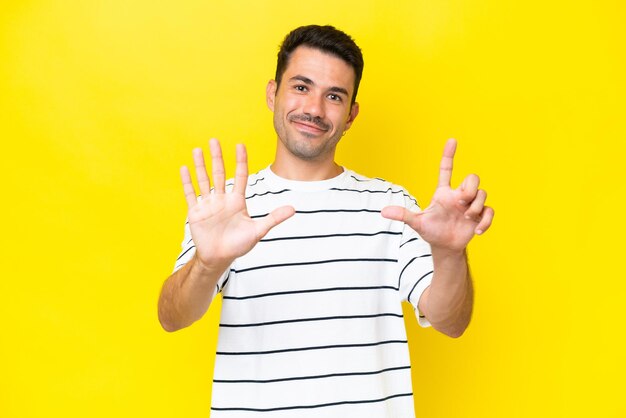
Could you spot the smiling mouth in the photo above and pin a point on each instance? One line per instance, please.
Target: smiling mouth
(308, 124)
(307, 127)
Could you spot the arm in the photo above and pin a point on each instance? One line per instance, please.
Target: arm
(448, 224)
(187, 294)
(447, 303)
(221, 230)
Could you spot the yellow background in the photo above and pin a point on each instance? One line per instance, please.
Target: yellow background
(102, 101)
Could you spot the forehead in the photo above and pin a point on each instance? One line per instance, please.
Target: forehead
(322, 68)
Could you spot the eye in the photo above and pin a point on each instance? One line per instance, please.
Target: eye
(300, 88)
(334, 97)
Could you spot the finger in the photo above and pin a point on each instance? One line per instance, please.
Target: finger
(217, 166)
(485, 222)
(203, 179)
(477, 206)
(272, 219)
(468, 189)
(241, 171)
(445, 168)
(190, 193)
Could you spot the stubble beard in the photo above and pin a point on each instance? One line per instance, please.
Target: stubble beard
(304, 148)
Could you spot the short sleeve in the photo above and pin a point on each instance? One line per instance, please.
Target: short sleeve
(415, 264)
(188, 250)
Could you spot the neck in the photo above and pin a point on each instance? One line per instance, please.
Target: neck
(290, 167)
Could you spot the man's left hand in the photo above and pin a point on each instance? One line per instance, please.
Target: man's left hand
(454, 215)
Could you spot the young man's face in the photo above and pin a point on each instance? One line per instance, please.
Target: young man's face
(312, 104)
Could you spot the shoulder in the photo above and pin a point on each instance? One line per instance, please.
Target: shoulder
(374, 184)
(255, 180)
(379, 185)
(361, 181)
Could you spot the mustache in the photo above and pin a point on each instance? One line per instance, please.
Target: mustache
(317, 121)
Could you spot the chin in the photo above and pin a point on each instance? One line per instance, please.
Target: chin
(306, 154)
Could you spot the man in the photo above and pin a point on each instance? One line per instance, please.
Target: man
(313, 260)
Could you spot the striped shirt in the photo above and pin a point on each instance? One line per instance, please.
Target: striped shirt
(311, 322)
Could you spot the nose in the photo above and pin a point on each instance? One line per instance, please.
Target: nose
(314, 105)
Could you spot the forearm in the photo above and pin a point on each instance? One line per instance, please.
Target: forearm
(451, 297)
(187, 293)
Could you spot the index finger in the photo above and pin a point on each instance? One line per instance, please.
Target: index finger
(190, 193)
(241, 171)
(445, 168)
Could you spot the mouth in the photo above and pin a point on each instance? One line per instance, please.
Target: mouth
(308, 127)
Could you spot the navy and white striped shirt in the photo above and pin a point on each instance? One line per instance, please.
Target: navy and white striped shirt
(311, 322)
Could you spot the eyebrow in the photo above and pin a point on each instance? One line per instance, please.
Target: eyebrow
(310, 82)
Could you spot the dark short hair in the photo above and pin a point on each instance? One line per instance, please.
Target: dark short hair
(326, 39)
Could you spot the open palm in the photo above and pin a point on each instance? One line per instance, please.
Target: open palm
(219, 222)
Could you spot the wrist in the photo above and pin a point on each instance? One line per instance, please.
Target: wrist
(440, 253)
(209, 268)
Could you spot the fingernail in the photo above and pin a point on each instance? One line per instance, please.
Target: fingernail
(462, 202)
(467, 216)
(479, 231)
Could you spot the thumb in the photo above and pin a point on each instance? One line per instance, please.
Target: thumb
(398, 213)
(272, 219)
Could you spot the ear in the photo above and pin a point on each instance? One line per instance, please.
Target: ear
(270, 94)
(354, 111)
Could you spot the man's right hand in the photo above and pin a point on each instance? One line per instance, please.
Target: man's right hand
(221, 230)
(219, 222)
